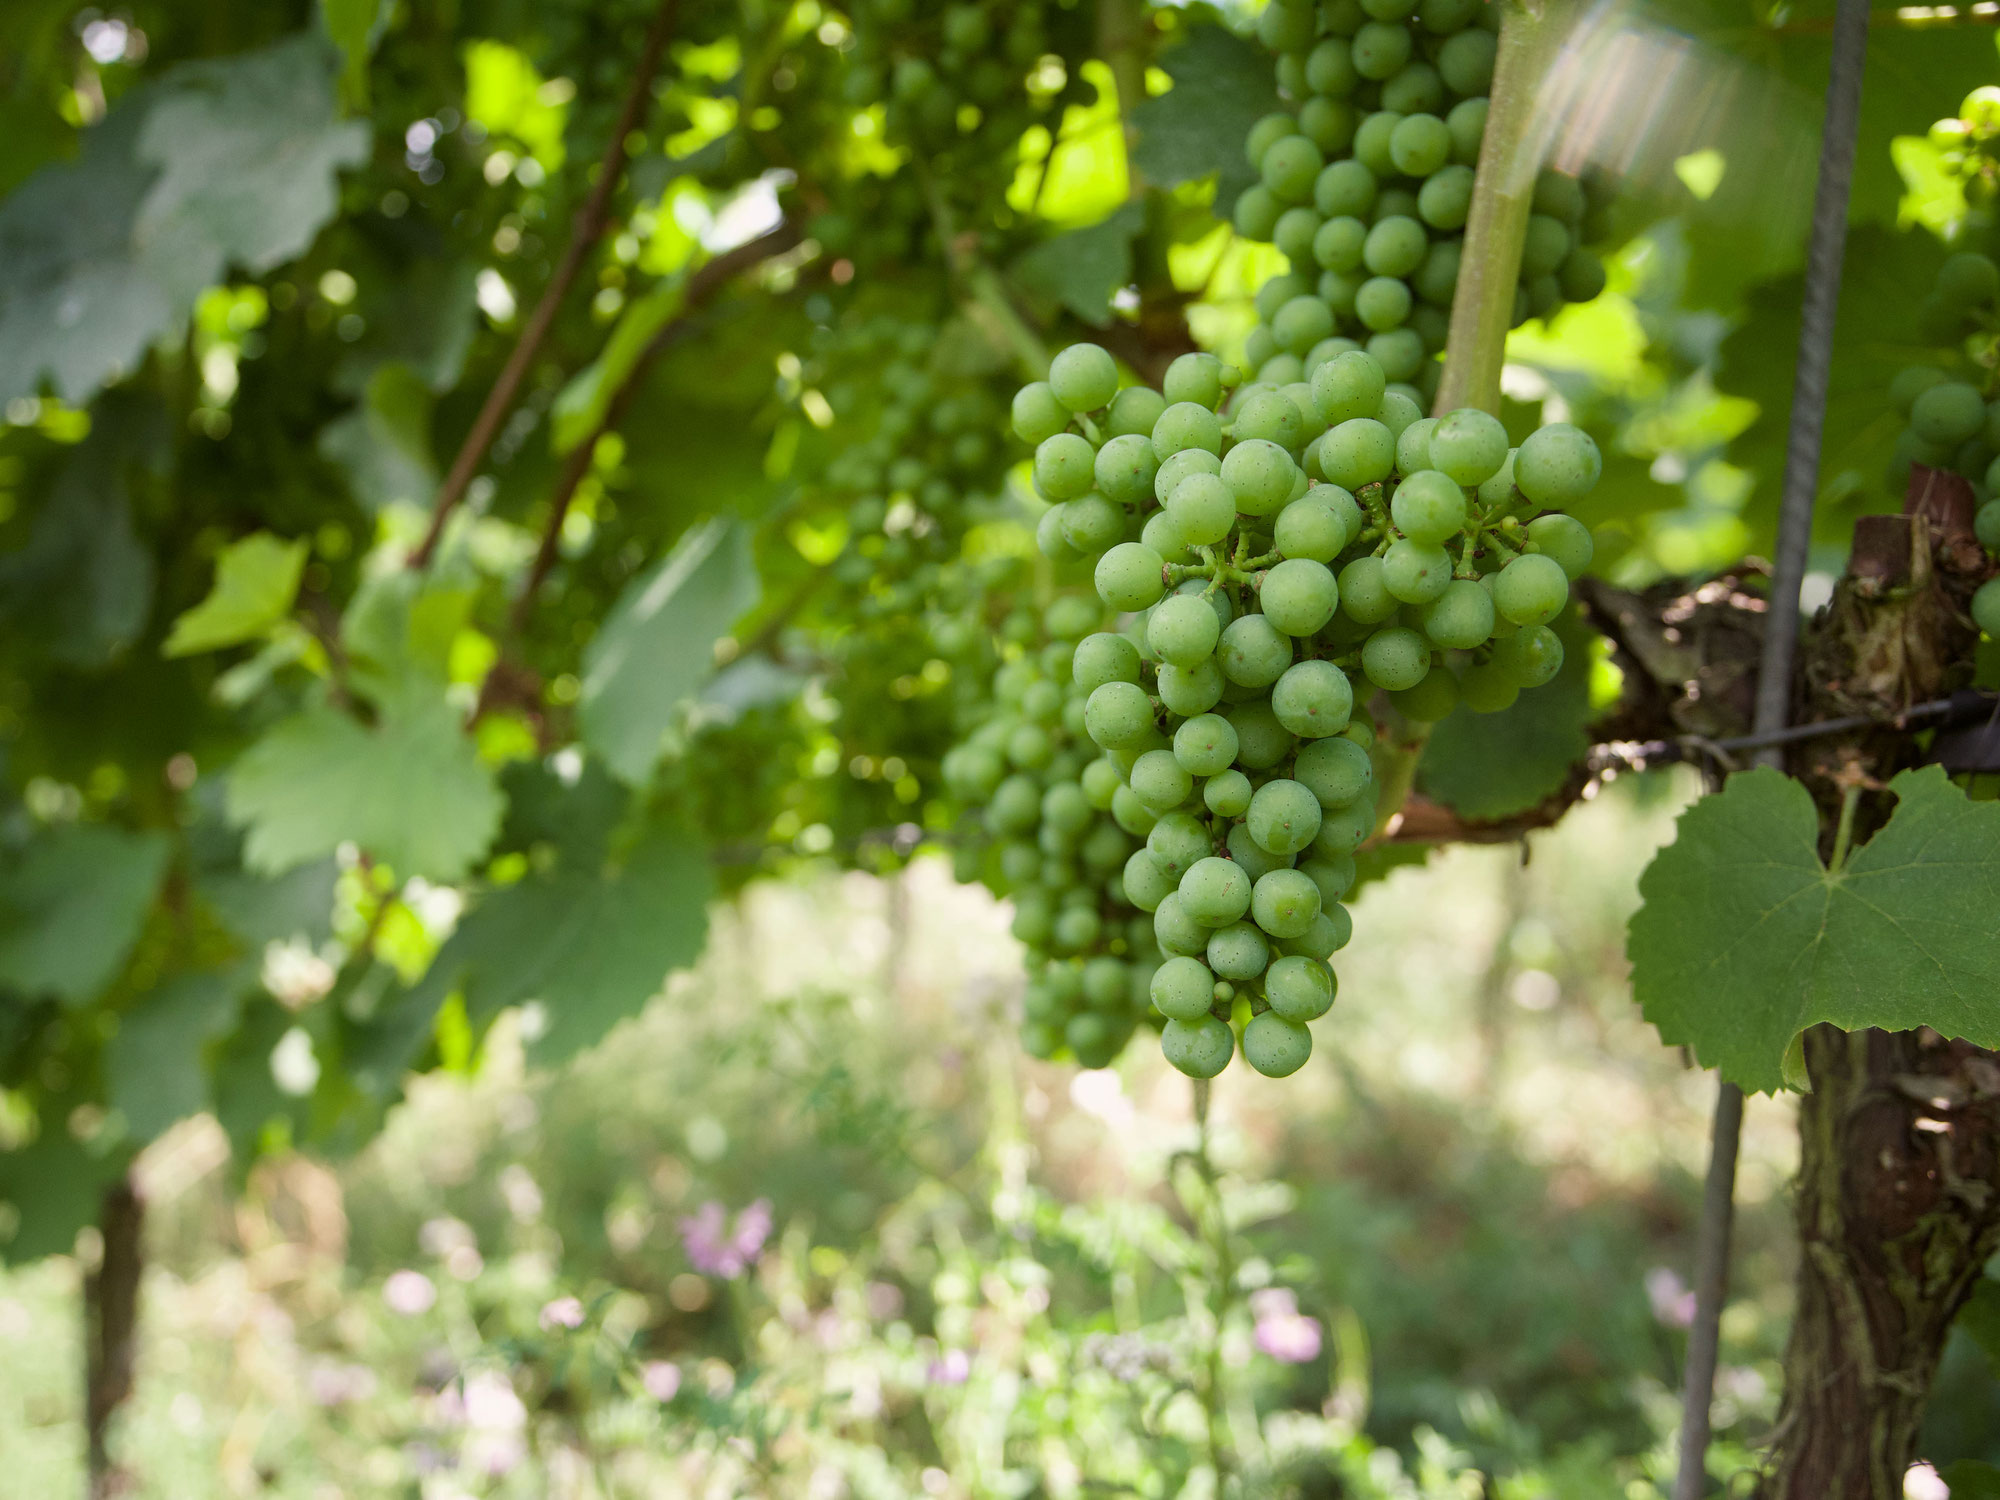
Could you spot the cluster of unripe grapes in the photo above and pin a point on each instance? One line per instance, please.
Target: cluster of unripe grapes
(914, 442)
(1270, 550)
(1365, 184)
(1040, 835)
(1950, 421)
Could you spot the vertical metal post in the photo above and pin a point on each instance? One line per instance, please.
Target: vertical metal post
(1824, 253)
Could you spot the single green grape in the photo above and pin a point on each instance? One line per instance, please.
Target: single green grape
(1065, 466)
(1364, 592)
(1531, 590)
(1183, 989)
(1160, 780)
(1469, 446)
(1183, 630)
(1239, 951)
(1283, 816)
(1313, 699)
(1126, 467)
(1201, 1048)
(1394, 658)
(1038, 415)
(1274, 1046)
(1299, 989)
(1986, 607)
(1227, 794)
(1283, 902)
(1428, 505)
(1299, 595)
(1415, 572)
(1083, 377)
(1565, 539)
(1312, 529)
(1101, 658)
(1253, 652)
(1194, 379)
(1206, 745)
(1461, 617)
(1186, 425)
(1530, 657)
(1119, 714)
(1558, 465)
(1130, 576)
(1335, 770)
(1191, 690)
(1215, 891)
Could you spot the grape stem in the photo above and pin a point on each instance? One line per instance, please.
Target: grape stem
(1482, 313)
(586, 230)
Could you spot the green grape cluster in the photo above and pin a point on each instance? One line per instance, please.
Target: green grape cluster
(916, 449)
(1951, 409)
(1951, 420)
(1278, 552)
(959, 85)
(1042, 837)
(1366, 182)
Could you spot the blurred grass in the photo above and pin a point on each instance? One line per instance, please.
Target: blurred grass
(1485, 1158)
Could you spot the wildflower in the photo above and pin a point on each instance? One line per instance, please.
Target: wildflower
(953, 1367)
(718, 1250)
(1283, 1332)
(562, 1312)
(1673, 1303)
(409, 1293)
(661, 1378)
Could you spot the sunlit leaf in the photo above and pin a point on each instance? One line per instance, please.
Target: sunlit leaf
(256, 580)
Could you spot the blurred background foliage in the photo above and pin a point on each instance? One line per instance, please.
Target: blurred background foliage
(259, 266)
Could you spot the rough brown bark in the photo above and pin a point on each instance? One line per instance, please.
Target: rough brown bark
(1898, 1212)
(1899, 1176)
(111, 1322)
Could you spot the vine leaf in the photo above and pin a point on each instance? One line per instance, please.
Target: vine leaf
(1085, 268)
(410, 791)
(1222, 86)
(223, 161)
(54, 1183)
(72, 904)
(154, 1066)
(1980, 1320)
(256, 580)
(1746, 939)
(590, 945)
(657, 644)
(1497, 765)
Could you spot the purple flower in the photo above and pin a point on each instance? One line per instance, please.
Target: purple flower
(562, 1312)
(661, 1378)
(1673, 1303)
(718, 1250)
(953, 1367)
(409, 1293)
(1282, 1331)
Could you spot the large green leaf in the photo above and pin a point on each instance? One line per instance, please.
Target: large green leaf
(1746, 939)
(383, 446)
(410, 791)
(227, 161)
(657, 644)
(72, 903)
(1980, 1320)
(1085, 268)
(1222, 86)
(256, 580)
(155, 1070)
(56, 1187)
(81, 590)
(590, 946)
(1874, 337)
(1496, 765)
(1969, 1479)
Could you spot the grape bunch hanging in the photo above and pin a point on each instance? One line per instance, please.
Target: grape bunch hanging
(1277, 556)
(1365, 184)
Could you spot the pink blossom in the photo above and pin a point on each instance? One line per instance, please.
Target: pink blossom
(1283, 1332)
(661, 1378)
(1673, 1303)
(409, 1293)
(562, 1312)
(884, 1299)
(953, 1367)
(715, 1248)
